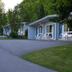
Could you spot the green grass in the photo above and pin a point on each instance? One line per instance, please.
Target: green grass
(57, 58)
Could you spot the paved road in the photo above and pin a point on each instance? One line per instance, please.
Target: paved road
(19, 47)
(10, 62)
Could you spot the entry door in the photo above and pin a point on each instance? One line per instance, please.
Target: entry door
(49, 33)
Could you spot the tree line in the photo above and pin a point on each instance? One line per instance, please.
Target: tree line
(31, 10)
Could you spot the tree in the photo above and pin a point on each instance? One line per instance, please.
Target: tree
(64, 7)
(28, 10)
(14, 20)
(3, 18)
(40, 11)
(32, 10)
(10, 18)
(1, 21)
(24, 14)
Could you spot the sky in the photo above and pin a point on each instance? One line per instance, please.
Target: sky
(10, 4)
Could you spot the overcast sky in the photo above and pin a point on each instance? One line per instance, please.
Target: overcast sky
(11, 3)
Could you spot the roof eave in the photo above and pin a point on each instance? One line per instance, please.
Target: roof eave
(44, 18)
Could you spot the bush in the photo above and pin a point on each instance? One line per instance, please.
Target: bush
(14, 35)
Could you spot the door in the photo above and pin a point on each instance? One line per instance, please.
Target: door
(49, 33)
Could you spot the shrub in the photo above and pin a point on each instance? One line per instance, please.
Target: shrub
(14, 35)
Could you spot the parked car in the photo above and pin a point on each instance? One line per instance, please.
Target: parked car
(67, 35)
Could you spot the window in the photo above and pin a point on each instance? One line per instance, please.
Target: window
(40, 29)
(36, 31)
(60, 29)
(49, 28)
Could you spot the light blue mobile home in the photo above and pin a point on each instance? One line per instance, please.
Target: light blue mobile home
(46, 28)
(21, 31)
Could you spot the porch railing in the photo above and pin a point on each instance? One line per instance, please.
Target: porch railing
(45, 36)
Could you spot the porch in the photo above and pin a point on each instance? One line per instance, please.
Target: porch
(45, 32)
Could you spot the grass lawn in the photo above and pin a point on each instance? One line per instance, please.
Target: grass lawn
(57, 58)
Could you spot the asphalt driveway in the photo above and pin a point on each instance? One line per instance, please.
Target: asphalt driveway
(11, 49)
